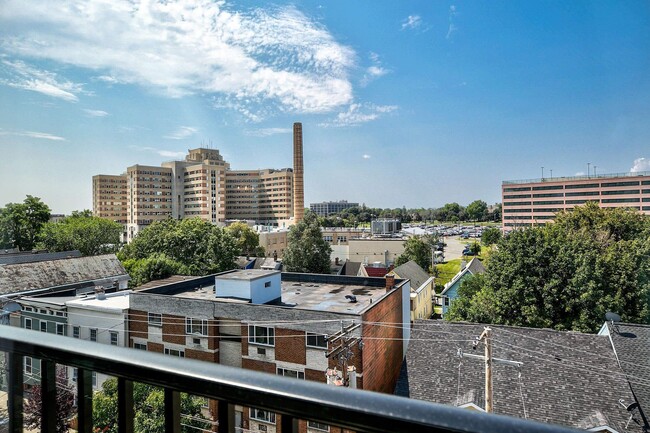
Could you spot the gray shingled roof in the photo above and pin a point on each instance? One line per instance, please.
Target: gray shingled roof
(412, 271)
(632, 345)
(567, 378)
(29, 257)
(51, 273)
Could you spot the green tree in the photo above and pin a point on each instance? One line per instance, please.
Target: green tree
(155, 267)
(306, 250)
(81, 231)
(475, 248)
(477, 210)
(470, 304)
(196, 246)
(418, 249)
(20, 223)
(490, 236)
(568, 274)
(149, 409)
(247, 241)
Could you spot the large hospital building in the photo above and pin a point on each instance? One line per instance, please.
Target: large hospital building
(536, 201)
(204, 186)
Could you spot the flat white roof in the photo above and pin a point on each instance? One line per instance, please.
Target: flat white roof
(117, 301)
(247, 274)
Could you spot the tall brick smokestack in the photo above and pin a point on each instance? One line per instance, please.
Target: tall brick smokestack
(298, 185)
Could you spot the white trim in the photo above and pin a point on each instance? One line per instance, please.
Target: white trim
(603, 429)
(471, 406)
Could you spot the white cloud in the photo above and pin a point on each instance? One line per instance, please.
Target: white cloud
(22, 76)
(580, 173)
(358, 114)
(95, 113)
(452, 27)
(366, 156)
(375, 71)
(265, 132)
(275, 56)
(33, 134)
(640, 164)
(412, 22)
(181, 133)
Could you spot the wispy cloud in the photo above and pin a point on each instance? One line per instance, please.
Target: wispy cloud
(640, 164)
(359, 113)
(33, 134)
(95, 113)
(19, 75)
(411, 22)
(265, 132)
(580, 173)
(452, 26)
(366, 156)
(181, 133)
(375, 71)
(162, 152)
(275, 57)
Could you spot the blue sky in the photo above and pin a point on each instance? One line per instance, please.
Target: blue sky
(410, 104)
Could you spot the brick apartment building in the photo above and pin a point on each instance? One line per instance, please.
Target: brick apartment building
(536, 201)
(281, 324)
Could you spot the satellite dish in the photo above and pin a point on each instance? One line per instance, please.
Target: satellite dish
(612, 317)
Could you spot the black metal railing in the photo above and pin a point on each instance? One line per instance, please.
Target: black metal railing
(293, 399)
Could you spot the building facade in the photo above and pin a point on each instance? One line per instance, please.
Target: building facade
(328, 208)
(202, 185)
(534, 202)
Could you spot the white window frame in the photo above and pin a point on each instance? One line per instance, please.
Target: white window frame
(262, 415)
(154, 319)
(28, 366)
(320, 426)
(316, 336)
(94, 375)
(60, 326)
(40, 325)
(288, 372)
(31, 323)
(115, 338)
(139, 346)
(264, 340)
(75, 374)
(90, 336)
(196, 326)
(76, 331)
(179, 353)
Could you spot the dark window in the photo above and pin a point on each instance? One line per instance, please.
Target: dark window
(546, 188)
(557, 194)
(524, 188)
(316, 340)
(516, 203)
(261, 335)
(517, 196)
(581, 193)
(584, 185)
(621, 200)
(621, 192)
(630, 183)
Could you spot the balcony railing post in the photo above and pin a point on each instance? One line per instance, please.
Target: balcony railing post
(226, 415)
(48, 396)
(84, 401)
(172, 411)
(125, 409)
(15, 388)
(288, 424)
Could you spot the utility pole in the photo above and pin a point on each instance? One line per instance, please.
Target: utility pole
(343, 351)
(486, 337)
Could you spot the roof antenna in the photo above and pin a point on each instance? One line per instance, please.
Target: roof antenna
(614, 319)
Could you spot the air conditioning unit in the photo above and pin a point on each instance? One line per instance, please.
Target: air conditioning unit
(261, 351)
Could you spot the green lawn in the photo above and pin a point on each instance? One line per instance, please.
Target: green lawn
(446, 271)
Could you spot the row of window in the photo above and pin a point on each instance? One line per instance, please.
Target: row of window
(578, 186)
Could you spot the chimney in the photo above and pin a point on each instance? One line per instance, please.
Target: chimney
(100, 294)
(390, 282)
(336, 261)
(298, 185)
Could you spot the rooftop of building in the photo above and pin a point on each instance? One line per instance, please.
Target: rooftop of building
(114, 302)
(247, 274)
(35, 256)
(566, 378)
(577, 178)
(55, 275)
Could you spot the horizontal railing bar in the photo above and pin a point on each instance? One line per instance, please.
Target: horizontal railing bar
(348, 408)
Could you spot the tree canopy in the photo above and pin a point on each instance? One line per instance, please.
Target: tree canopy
(418, 249)
(566, 275)
(149, 409)
(477, 210)
(20, 223)
(306, 250)
(64, 403)
(187, 247)
(246, 240)
(81, 231)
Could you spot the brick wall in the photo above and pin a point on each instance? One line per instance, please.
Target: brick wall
(315, 375)
(138, 326)
(263, 366)
(382, 350)
(290, 346)
(155, 347)
(173, 329)
(202, 355)
(213, 333)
